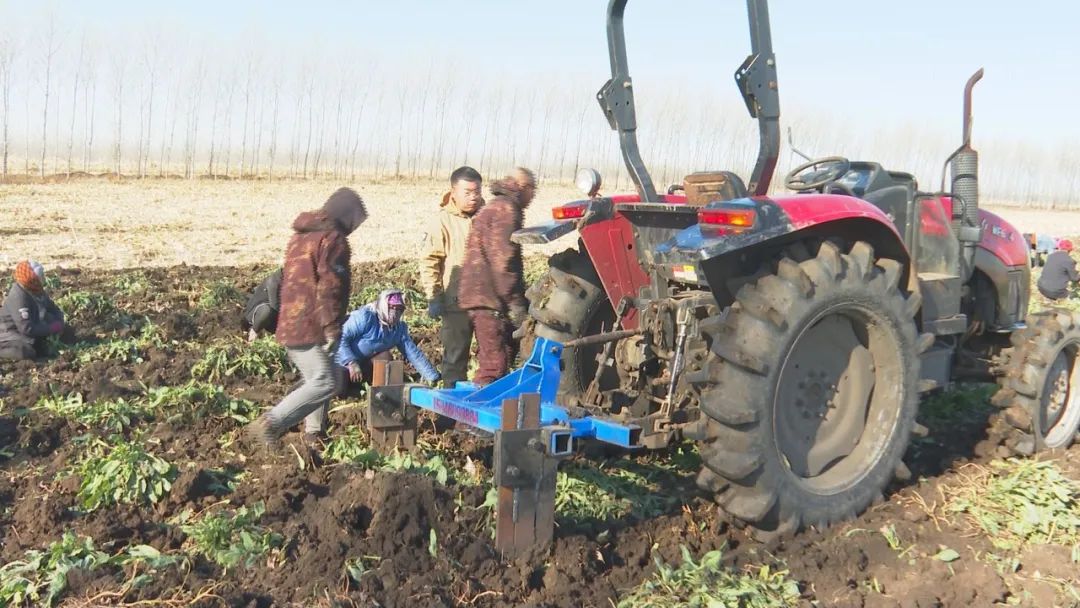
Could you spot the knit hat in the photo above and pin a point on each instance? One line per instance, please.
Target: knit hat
(31, 276)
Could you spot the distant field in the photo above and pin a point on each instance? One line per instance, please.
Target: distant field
(95, 223)
(102, 224)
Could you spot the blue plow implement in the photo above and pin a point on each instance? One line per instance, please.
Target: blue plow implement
(482, 407)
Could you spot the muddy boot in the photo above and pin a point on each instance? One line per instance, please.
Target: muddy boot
(261, 434)
(315, 444)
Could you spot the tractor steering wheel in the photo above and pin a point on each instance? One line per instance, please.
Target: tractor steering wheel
(831, 168)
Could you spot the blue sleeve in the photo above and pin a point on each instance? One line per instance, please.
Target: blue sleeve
(350, 338)
(415, 356)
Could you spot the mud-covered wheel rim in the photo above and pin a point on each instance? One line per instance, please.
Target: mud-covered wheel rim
(1060, 408)
(833, 382)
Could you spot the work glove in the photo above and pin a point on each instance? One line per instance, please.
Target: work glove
(435, 307)
(435, 380)
(356, 375)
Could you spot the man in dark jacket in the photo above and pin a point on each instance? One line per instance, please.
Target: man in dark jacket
(28, 315)
(261, 309)
(1059, 272)
(314, 298)
(492, 285)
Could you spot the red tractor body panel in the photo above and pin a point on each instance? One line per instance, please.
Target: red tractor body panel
(611, 243)
(806, 210)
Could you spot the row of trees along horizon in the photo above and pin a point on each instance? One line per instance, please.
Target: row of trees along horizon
(72, 105)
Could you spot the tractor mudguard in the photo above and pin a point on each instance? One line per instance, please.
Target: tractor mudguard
(827, 214)
(716, 256)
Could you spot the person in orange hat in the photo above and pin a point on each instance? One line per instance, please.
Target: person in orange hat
(1059, 272)
(28, 315)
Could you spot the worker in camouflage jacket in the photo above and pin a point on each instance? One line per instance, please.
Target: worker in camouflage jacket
(314, 299)
(441, 270)
(28, 315)
(492, 276)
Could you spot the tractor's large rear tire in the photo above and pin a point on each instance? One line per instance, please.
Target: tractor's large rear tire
(1040, 384)
(811, 392)
(569, 302)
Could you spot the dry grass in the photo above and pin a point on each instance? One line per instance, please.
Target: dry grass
(98, 223)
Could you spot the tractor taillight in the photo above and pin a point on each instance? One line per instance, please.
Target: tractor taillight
(729, 218)
(570, 211)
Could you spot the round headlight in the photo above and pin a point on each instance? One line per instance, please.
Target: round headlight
(588, 181)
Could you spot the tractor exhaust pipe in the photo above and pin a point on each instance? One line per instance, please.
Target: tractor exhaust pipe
(964, 165)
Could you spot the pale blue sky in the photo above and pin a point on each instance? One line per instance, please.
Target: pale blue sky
(894, 62)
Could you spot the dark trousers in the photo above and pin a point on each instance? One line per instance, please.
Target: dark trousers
(495, 346)
(18, 351)
(456, 335)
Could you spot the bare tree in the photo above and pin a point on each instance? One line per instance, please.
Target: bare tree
(74, 102)
(7, 64)
(356, 133)
(119, 74)
(89, 107)
(311, 121)
(191, 138)
(213, 125)
(247, 106)
(151, 61)
(272, 152)
(227, 148)
(52, 46)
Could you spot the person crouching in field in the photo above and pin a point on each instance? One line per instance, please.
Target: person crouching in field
(1059, 272)
(371, 331)
(314, 298)
(262, 307)
(441, 270)
(492, 275)
(28, 315)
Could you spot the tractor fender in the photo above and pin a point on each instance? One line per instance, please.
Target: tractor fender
(725, 253)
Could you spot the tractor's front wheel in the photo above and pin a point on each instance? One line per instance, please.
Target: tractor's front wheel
(813, 390)
(1040, 383)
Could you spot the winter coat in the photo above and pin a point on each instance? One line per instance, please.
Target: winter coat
(1059, 271)
(25, 318)
(364, 336)
(316, 278)
(440, 268)
(268, 294)
(492, 275)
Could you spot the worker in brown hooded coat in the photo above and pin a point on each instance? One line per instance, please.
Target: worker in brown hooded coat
(314, 300)
(492, 285)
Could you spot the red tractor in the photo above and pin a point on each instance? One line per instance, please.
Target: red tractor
(791, 335)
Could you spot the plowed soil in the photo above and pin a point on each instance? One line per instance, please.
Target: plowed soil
(425, 543)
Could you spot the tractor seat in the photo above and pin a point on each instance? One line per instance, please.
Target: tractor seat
(705, 187)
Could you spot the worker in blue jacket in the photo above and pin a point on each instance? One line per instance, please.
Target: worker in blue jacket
(374, 329)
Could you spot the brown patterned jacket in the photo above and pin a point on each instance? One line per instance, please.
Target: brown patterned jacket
(316, 279)
(492, 274)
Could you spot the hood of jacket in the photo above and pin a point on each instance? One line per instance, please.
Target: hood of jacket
(509, 189)
(314, 221)
(346, 209)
